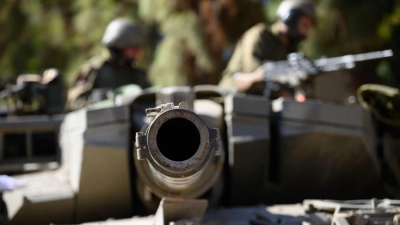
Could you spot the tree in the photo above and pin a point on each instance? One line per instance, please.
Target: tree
(195, 35)
(54, 33)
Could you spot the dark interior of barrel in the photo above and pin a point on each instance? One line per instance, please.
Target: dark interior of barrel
(178, 139)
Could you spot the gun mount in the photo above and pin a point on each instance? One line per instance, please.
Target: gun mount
(178, 155)
(35, 94)
(30, 121)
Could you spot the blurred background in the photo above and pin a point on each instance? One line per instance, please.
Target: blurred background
(189, 36)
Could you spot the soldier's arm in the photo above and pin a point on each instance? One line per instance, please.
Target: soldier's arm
(243, 69)
(234, 66)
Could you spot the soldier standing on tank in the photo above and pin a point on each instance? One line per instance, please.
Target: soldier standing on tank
(295, 19)
(124, 40)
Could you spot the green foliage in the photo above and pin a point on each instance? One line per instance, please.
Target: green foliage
(270, 10)
(389, 23)
(351, 27)
(54, 33)
(348, 27)
(182, 39)
(39, 34)
(154, 11)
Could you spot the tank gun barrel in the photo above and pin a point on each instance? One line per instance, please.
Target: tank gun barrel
(179, 149)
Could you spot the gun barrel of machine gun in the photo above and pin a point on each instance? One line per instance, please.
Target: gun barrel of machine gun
(297, 62)
(178, 155)
(347, 61)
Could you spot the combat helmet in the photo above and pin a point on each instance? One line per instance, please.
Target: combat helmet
(290, 10)
(122, 33)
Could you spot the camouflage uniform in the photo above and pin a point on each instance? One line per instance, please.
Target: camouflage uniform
(113, 70)
(256, 46)
(102, 72)
(259, 44)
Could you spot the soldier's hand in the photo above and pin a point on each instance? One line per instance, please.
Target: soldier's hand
(8, 183)
(244, 81)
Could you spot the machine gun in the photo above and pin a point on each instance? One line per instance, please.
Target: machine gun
(297, 66)
(35, 94)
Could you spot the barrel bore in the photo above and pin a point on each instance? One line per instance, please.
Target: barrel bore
(178, 139)
(174, 154)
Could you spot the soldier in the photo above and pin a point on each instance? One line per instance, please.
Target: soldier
(295, 18)
(124, 40)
